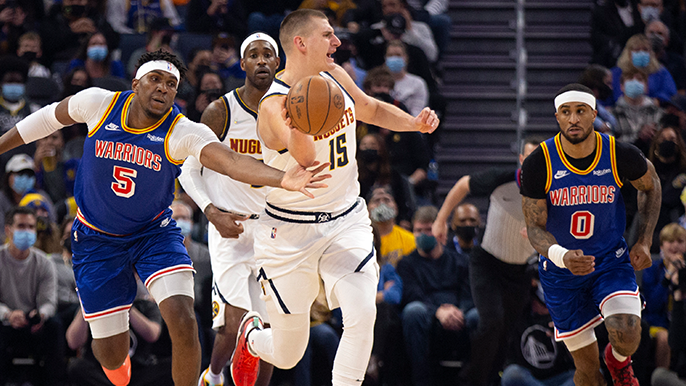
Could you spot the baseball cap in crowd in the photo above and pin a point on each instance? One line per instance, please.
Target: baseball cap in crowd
(18, 163)
(395, 23)
(35, 201)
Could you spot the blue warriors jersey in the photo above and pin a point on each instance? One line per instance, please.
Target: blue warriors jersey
(126, 176)
(585, 207)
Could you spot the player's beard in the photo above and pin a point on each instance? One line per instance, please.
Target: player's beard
(576, 140)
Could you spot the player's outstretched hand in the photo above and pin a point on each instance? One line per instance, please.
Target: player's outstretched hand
(640, 257)
(225, 222)
(299, 179)
(578, 263)
(426, 121)
(440, 231)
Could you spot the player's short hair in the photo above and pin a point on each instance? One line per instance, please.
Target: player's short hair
(574, 87)
(163, 55)
(9, 217)
(297, 23)
(672, 232)
(425, 214)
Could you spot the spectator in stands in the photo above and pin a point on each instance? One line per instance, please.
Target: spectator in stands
(599, 80)
(638, 116)
(638, 54)
(612, 23)
(150, 355)
(28, 300)
(47, 231)
(411, 31)
(668, 154)
(30, 50)
(209, 88)
(77, 79)
(374, 169)
(409, 89)
(54, 173)
(159, 37)
(214, 16)
(19, 180)
(199, 61)
(657, 295)
(675, 113)
(67, 298)
(435, 14)
(135, 16)
(12, 25)
(13, 106)
(338, 8)
(267, 15)
(226, 61)
(659, 36)
(437, 303)
(395, 242)
(67, 24)
(96, 58)
(464, 225)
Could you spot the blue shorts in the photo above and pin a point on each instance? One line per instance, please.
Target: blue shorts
(574, 301)
(104, 265)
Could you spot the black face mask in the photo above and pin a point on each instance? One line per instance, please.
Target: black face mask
(657, 43)
(43, 225)
(465, 233)
(66, 244)
(74, 11)
(369, 155)
(667, 149)
(29, 56)
(604, 92)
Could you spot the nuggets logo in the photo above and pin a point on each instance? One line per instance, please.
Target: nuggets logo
(215, 309)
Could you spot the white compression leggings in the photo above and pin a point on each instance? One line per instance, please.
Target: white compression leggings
(285, 342)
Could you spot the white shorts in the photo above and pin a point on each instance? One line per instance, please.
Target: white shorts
(234, 273)
(292, 256)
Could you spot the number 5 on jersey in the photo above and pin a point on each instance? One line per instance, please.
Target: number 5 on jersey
(124, 185)
(338, 153)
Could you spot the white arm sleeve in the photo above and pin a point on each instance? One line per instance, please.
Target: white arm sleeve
(189, 138)
(39, 124)
(193, 183)
(89, 105)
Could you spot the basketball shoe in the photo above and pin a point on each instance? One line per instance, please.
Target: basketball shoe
(245, 364)
(206, 382)
(622, 372)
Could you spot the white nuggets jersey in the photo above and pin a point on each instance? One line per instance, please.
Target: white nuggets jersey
(240, 134)
(338, 147)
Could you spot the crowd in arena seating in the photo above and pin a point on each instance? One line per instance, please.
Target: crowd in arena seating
(51, 49)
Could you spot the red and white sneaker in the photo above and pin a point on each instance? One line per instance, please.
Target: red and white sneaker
(245, 364)
(622, 372)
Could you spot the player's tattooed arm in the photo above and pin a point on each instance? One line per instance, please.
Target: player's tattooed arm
(536, 216)
(214, 117)
(649, 201)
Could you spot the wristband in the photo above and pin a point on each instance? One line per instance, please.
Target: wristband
(556, 253)
(39, 124)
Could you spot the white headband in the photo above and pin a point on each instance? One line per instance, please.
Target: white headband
(161, 65)
(574, 96)
(259, 36)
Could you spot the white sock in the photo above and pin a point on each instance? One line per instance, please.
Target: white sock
(214, 378)
(618, 356)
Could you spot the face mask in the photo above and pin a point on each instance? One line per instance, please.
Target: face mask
(634, 88)
(604, 92)
(12, 91)
(466, 233)
(640, 59)
(425, 242)
(395, 63)
(74, 11)
(185, 226)
(382, 213)
(649, 14)
(667, 149)
(369, 155)
(97, 53)
(66, 244)
(657, 42)
(29, 56)
(23, 183)
(43, 225)
(23, 240)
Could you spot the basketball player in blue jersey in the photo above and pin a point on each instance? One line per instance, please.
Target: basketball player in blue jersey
(235, 290)
(132, 155)
(575, 219)
(299, 244)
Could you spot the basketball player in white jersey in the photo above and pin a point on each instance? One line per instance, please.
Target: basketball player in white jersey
(299, 243)
(235, 290)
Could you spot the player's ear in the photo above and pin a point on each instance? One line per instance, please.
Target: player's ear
(299, 43)
(134, 84)
(243, 64)
(278, 62)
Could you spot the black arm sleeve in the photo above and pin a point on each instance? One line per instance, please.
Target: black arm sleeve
(483, 183)
(631, 163)
(534, 175)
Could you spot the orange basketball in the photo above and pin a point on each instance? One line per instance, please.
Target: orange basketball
(315, 105)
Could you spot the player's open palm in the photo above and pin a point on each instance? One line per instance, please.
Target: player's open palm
(426, 121)
(298, 178)
(640, 257)
(578, 263)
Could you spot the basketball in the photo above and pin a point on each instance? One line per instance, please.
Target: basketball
(315, 105)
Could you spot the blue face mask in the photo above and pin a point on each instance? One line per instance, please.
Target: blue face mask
(425, 242)
(395, 63)
(649, 13)
(634, 88)
(23, 240)
(97, 53)
(185, 226)
(23, 183)
(640, 59)
(12, 91)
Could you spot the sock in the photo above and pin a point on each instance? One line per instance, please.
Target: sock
(120, 376)
(617, 356)
(250, 343)
(212, 377)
